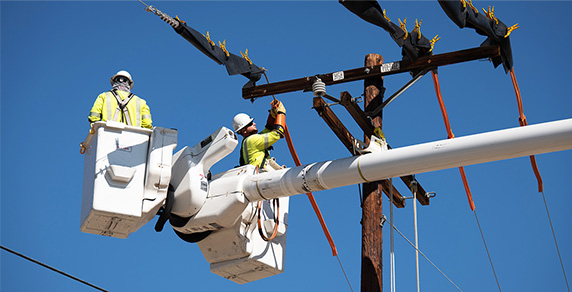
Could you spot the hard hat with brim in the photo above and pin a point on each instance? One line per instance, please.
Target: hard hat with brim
(124, 74)
(240, 121)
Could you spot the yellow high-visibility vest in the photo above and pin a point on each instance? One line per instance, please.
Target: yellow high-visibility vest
(254, 148)
(134, 113)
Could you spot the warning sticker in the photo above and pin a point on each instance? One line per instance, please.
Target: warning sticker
(204, 184)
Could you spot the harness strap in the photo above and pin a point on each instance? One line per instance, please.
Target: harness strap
(122, 108)
(266, 155)
(242, 161)
(245, 159)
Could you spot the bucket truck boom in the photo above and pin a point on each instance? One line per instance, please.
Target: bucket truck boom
(127, 171)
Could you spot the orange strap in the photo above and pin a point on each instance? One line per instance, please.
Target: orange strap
(522, 121)
(450, 136)
(310, 195)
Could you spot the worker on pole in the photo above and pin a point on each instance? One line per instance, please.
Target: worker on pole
(255, 146)
(120, 105)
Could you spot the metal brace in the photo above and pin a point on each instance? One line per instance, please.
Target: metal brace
(398, 92)
(427, 195)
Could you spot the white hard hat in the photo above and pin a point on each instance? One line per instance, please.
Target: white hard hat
(240, 121)
(124, 74)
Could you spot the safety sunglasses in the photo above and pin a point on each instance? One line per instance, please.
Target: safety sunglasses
(122, 79)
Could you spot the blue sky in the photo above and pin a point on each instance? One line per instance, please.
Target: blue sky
(56, 57)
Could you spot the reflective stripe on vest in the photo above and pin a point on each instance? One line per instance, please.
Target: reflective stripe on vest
(108, 103)
(95, 114)
(138, 109)
(245, 158)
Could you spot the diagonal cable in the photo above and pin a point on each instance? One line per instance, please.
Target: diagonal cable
(51, 268)
(461, 169)
(555, 242)
(342, 266)
(487, 249)
(421, 253)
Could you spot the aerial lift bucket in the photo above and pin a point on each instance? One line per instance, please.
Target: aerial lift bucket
(126, 176)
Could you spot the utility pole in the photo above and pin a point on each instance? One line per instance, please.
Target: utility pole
(372, 232)
(372, 74)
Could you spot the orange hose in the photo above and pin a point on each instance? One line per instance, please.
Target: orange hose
(450, 136)
(276, 221)
(522, 121)
(310, 195)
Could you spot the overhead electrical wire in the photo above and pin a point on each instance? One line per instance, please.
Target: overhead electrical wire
(391, 238)
(52, 268)
(414, 186)
(315, 206)
(487, 249)
(421, 253)
(522, 121)
(450, 135)
(345, 275)
(310, 195)
(555, 242)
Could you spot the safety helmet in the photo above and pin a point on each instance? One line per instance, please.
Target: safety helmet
(124, 74)
(240, 121)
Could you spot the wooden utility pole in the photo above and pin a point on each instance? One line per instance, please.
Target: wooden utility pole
(372, 74)
(372, 236)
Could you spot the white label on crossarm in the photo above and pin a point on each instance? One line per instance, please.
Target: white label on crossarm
(387, 67)
(338, 75)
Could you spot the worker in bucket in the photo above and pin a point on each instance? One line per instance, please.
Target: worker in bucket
(120, 105)
(255, 146)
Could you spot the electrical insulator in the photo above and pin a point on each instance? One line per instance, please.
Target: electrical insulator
(319, 87)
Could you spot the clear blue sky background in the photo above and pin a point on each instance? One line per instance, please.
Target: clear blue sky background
(56, 57)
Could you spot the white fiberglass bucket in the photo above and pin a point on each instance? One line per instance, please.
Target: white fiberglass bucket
(126, 176)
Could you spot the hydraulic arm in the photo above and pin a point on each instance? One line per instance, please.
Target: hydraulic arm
(128, 171)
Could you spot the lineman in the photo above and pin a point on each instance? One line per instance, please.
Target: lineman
(255, 146)
(120, 105)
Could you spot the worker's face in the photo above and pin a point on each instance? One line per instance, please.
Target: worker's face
(251, 129)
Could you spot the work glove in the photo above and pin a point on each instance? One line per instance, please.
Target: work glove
(277, 107)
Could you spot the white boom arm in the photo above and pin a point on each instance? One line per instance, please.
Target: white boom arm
(127, 171)
(468, 150)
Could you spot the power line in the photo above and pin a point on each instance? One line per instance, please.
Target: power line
(347, 280)
(421, 253)
(555, 242)
(487, 249)
(51, 268)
